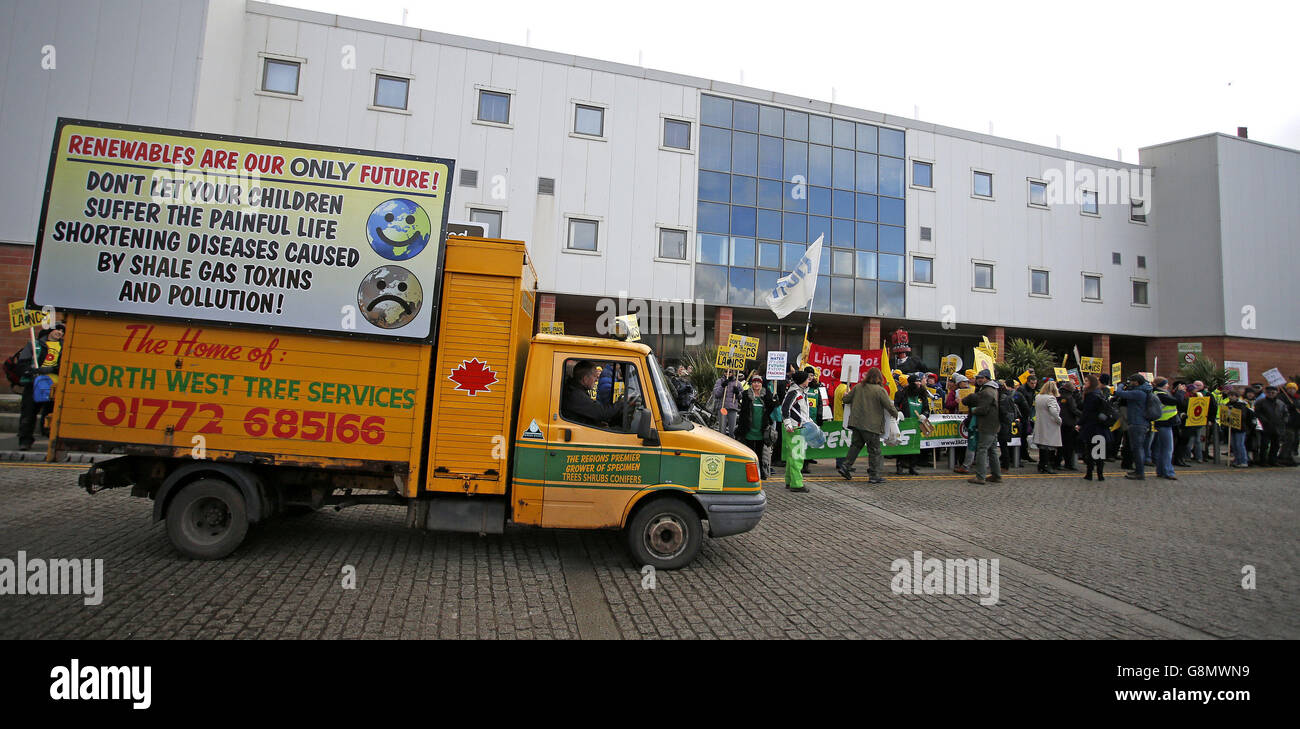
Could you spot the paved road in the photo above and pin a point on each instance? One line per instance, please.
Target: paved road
(1076, 559)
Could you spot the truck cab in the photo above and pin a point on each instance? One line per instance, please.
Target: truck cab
(620, 455)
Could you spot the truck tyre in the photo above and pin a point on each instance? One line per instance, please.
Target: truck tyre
(207, 519)
(665, 534)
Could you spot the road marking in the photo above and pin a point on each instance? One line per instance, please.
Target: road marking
(1138, 615)
(590, 609)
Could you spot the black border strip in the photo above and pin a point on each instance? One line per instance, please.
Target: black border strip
(435, 301)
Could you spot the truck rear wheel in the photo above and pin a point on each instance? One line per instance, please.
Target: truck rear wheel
(665, 534)
(207, 519)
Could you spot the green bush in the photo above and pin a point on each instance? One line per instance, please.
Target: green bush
(1024, 354)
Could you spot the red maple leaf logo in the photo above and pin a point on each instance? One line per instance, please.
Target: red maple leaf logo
(473, 376)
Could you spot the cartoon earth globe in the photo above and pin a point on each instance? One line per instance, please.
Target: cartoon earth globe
(390, 297)
(398, 229)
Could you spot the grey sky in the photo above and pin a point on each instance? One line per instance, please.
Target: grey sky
(1103, 75)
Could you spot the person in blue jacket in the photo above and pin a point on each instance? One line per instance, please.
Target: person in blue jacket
(1134, 398)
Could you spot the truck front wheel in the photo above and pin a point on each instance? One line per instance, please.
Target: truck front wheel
(207, 519)
(665, 534)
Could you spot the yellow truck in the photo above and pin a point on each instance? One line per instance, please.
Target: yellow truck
(257, 327)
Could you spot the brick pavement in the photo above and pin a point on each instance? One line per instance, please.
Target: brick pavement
(1112, 560)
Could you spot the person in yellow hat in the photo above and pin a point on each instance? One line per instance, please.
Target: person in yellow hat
(1291, 434)
(970, 374)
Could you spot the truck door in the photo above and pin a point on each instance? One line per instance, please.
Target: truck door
(595, 459)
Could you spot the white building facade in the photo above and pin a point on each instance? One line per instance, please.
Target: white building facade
(634, 183)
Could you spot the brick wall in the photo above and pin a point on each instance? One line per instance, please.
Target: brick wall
(1260, 354)
(15, 267)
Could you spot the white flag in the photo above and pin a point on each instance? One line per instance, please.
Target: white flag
(795, 290)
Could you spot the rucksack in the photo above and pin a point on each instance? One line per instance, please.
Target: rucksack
(1007, 410)
(1154, 407)
(14, 369)
(42, 388)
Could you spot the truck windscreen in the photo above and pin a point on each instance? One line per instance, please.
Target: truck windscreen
(667, 402)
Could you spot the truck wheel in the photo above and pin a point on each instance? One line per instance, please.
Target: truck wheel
(665, 534)
(207, 519)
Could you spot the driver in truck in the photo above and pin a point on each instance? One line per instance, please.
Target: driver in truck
(578, 405)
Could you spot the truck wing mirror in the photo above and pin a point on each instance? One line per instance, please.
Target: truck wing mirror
(643, 425)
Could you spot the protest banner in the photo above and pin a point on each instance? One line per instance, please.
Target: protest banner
(1075, 378)
(1197, 409)
(729, 358)
(946, 432)
(630, 326)
(1234, 418)
(948, 366)
(1274, 377)
(829, 360)
(1116, 373)
(551, 327)
(776, 365)
(984, 361)
(1238, 372)
(184, 225)
(20, 317)
(1061, 375)
(1024, 376)
(1090, 365)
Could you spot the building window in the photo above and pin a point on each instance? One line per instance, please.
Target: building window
(672, 244)
(677, 134)
(589, 120)
(1092, 288)
(1140, 293)
(583, 234)
(1142, 261)
(493, 106)
(1039, 283)
(984, 276)
(1137, 211)
(280, 77)
(1114, 258)
(391, 92)
(491, 220)
(922, 174)
(983, 184)
(922, 270)
(1089, 203)
(1038, 193)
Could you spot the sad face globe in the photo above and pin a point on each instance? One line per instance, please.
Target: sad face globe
(390, 297)
(398, 229)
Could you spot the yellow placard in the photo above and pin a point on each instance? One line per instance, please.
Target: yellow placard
(984, 361)
(729, 359)
(551, 327)
(20, 317)
(1198, 408)
(1061, 375)
(948, 365)
(1116, 373)
(1091, 365)
(1024, 377)
(1234, 418)
(712, 466)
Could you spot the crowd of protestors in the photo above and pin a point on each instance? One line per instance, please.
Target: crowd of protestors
(1140, 424)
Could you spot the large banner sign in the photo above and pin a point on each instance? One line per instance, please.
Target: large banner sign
(189, 226)
(828, 361)
(946, 431)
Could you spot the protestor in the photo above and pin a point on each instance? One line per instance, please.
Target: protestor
(869, 405)
(1181, 392)
(1165, 424)
(1094, 423)
(1028, 394)
(1047, 425)
(39, 365)
(959, 388)
(1071, 404)
(1240, 459)
(1009, 416)
(794, 413)
(1273, 415)
(756, 407)
(726, 393)
(913, 402)
(1135, 397)
(983, 406)
(1191, 447)
(1292, 436)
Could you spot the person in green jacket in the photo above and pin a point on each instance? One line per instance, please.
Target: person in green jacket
(868, 402)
